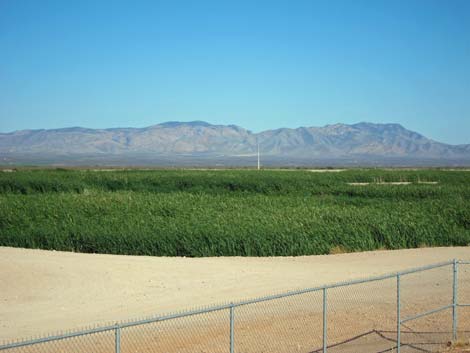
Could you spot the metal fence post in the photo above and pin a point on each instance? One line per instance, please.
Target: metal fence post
(325, 309)
(117, 339)
(398, 315)
(232, 328)
(454, 300)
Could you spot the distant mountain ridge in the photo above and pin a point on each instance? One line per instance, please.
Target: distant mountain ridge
(361, 141)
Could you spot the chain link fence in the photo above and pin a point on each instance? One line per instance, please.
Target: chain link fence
(419, 310)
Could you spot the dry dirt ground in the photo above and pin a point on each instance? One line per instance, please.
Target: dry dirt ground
(45, 292)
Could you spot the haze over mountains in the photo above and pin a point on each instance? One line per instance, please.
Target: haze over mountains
(200, 143)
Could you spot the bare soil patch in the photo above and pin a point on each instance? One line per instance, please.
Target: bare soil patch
(393, 183)
(48, 291)
(326, 170)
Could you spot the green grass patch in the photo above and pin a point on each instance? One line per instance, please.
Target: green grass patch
(232, 213)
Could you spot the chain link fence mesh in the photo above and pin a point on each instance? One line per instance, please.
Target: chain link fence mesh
(101, 342)
(289, 324)
(463, 297)
(200, 333)
(360, 317)
(423, 292)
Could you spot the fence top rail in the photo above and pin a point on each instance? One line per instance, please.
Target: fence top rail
(225, 306)
(58, 337)
(345, 283)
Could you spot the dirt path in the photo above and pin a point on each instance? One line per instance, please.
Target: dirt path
(46, 291)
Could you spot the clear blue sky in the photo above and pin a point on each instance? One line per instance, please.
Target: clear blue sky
(258, 64)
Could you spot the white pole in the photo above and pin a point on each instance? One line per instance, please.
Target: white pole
(258, 157)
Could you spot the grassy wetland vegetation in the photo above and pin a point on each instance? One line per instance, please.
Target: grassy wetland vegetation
(233, 212)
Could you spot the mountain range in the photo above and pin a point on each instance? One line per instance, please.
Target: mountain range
(201, 143)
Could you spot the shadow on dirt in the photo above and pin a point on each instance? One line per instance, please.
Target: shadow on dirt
(380, 341)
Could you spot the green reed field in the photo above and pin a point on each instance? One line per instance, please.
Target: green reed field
(232, 212)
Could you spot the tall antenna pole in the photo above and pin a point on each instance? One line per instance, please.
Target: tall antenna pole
(258, 154)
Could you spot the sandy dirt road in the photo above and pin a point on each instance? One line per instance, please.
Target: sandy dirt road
(46, 291)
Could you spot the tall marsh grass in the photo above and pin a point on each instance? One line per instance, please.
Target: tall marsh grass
(232, 213)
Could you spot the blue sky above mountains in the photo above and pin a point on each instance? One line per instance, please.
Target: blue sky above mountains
(257, 64)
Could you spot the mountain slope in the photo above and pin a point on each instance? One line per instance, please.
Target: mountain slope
(172, 137)
(390, 140)
(361, 141)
